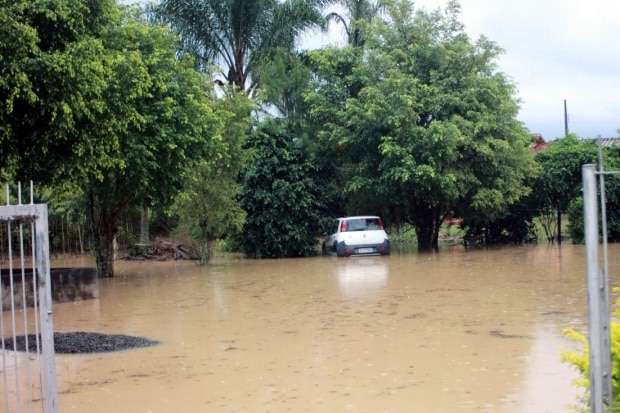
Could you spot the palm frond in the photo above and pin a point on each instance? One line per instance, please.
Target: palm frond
(237, 34)
(333, 16)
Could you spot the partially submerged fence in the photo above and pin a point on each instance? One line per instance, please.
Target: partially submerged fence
(28, 376)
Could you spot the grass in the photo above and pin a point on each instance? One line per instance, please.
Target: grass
(407, 235)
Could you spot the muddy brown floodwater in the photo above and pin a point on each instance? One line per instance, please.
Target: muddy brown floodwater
(477, 330)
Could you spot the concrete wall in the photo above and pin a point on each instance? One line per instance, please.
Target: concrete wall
(68, 284)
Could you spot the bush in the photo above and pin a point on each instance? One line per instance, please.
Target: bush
(404, 235)
(580, 360)
(280, 196)
(516, 226)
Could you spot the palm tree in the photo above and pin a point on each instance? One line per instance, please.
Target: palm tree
(357, 12)
(237, 35)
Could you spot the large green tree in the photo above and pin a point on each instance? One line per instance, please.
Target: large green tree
(239, 35)
(426, 124)
(96, 98)
(174, 123)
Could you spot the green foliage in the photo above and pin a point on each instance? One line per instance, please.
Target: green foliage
(240, 34)
(575, 215)
(612, 191)
(423, 120)
(514, 226)
(208, 208)
(403, 235)
(67, 223)
(171, 120)
(559, 180)
(581, 360)
(451, 231)
(94, 96)
(51, 86)
(283, 79)
(280, 196)
(358, 14)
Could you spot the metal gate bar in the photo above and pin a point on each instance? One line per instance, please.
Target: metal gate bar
(37, 216)
(598, 304)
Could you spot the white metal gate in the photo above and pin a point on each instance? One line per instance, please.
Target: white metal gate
(28, 376)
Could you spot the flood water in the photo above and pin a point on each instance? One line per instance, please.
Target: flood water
(477, 330)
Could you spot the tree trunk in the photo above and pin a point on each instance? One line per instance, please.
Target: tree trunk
(104, 254)
(81, 243)
(559, 226)
(144, 225)
(103, 228)
(427, 232)
(210, 248)
(62, 234)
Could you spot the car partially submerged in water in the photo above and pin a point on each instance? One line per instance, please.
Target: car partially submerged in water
(358, 236)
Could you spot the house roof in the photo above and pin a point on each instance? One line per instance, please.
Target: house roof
(538, 143)
(607, 142)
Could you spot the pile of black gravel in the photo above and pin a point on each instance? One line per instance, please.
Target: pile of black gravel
(83, 342)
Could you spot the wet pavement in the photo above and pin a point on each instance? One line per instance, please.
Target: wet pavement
(477, 330)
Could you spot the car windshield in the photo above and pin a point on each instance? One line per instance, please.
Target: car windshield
(363, 224)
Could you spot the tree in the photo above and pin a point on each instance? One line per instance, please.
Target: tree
(283, 79)
(239, 35)
(559, 181)
(358, 14)
(208, 207)
(432, 128)
(174, 123)
(280, 196)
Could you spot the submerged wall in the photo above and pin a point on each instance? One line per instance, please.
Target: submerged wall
(68, 284)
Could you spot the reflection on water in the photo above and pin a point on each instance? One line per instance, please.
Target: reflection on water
(362, 275)
(476, 330)
(543, 387)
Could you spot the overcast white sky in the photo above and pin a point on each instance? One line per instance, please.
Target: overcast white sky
(554, 50)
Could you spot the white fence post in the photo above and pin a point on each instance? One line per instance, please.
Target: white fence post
(48, 365)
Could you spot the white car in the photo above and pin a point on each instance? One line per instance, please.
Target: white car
(358, 235)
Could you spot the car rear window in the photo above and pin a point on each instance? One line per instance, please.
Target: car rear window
(363, 224)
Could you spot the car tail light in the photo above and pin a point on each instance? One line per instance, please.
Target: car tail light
(344, 226)
(381, 226)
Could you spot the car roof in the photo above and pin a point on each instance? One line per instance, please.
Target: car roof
(360, 217)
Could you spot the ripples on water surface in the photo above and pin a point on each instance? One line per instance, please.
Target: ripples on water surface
(476, 331)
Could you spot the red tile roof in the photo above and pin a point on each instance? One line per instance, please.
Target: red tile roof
(538, 143)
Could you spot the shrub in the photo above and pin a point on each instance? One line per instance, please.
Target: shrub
(515, 226)
(280, 196)
(580, 360)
